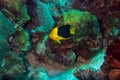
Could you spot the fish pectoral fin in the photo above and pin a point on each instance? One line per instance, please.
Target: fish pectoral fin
(58, 41)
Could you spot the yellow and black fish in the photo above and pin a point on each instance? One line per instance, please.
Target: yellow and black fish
(62, 33)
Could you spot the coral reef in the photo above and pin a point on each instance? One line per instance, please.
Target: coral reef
(10, 61)
(9, 68)
(74, 18)
(80, 41)
(112, 63)
(6, 29)
(107, 12)
(41, 47)
(87, 46)
(90, 75)
(16, 10)
(38, 74)
(42, 19)
(23, 39)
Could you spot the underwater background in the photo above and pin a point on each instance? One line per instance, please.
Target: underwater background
(59, 39)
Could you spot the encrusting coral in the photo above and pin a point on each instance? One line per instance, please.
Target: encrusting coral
(22, 37)
(10, 62)
(16, 10)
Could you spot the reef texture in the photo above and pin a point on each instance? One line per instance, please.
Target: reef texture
(16, 10)
(27, 52)
(112, 64)
(41, 18)
(10, 62)
(68, 50)
(22, 37)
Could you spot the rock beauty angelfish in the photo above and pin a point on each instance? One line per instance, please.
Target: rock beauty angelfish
(63, 32)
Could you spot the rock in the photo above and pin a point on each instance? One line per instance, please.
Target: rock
(114, 49)
(38, 74)
(23, 37)
(62, 5)
(10, 69)
(41, 47)
(111, 65)
(62, 53)
(85, 75)
(6, 27)
(114, 74)
(41, 17)
(16, 10)
(10, 62)
(90, 75)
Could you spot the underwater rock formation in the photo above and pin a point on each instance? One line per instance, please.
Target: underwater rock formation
(41, 18)
(107, 12)
(38, 74)
(16, 10)
(10, 69)
(83, 43)
(112, 63)
(23, 39)
(114, 74)
(6, 29)
(59, 40)
(61, 5)
(41, 47)
(10, 62)
(90, 75)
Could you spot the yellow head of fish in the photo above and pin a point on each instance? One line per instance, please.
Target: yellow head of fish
(62, 33)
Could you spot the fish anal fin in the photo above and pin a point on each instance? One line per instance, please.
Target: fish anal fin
(58, 41)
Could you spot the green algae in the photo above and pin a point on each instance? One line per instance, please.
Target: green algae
(76, 17)
(20, 8)
(85, 23)
(23, 39)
